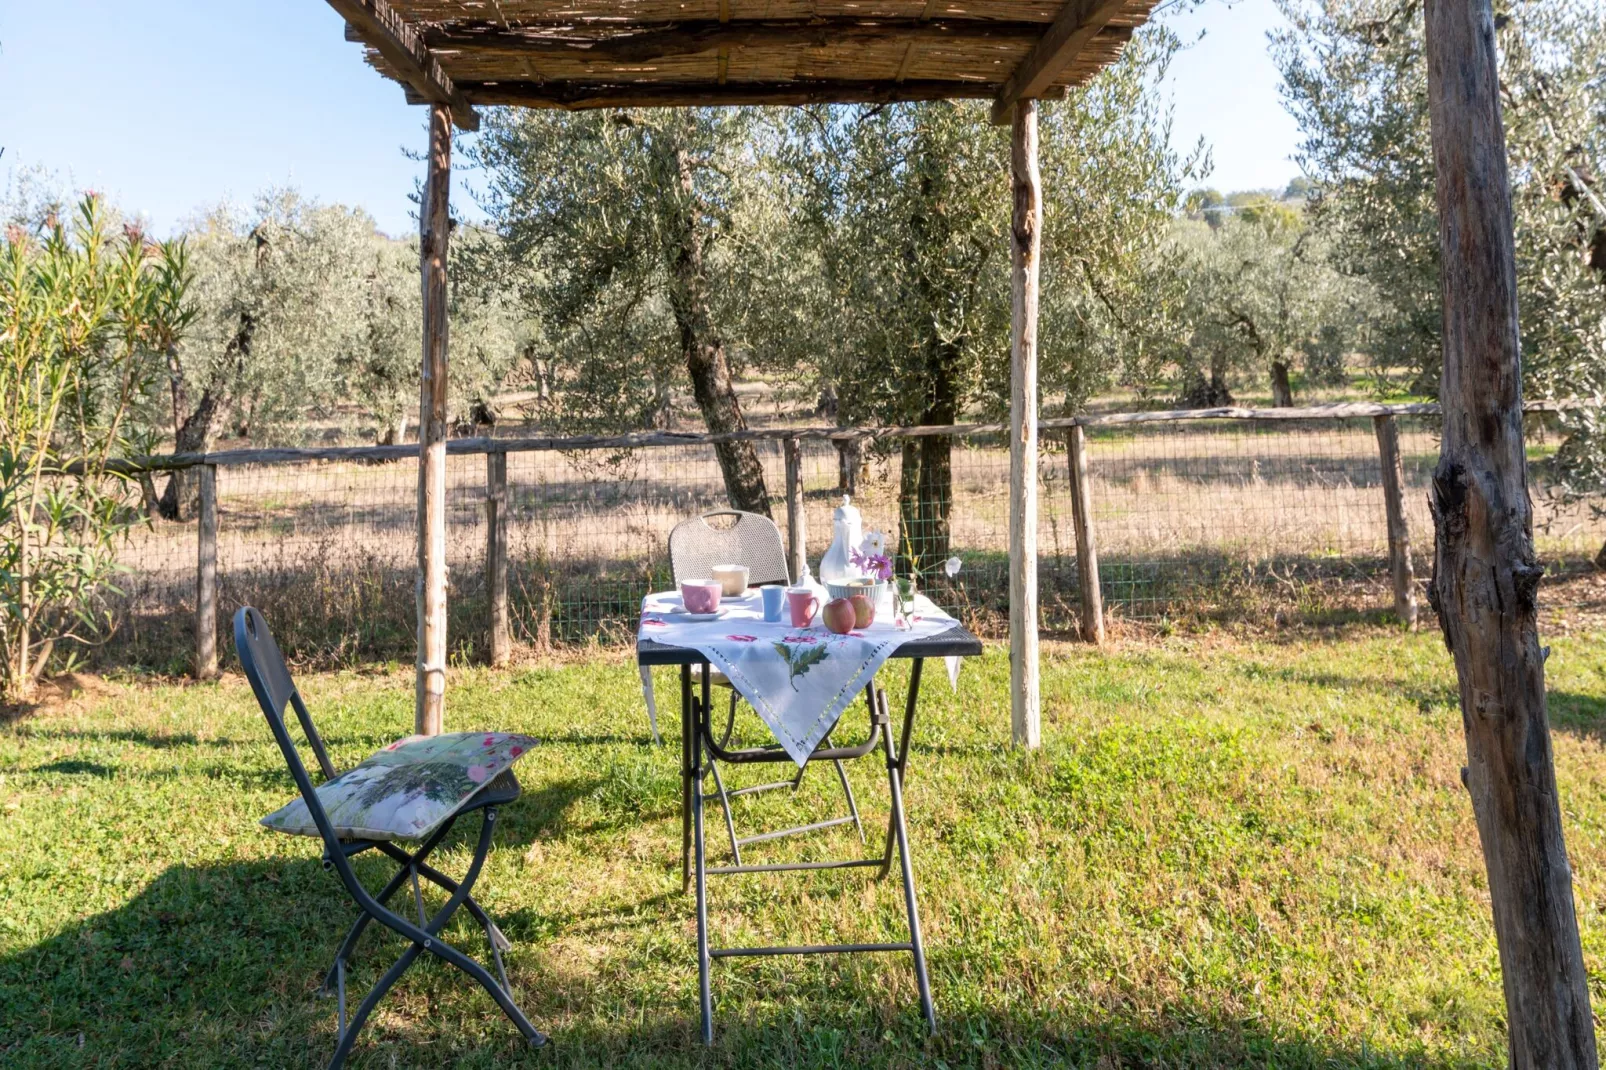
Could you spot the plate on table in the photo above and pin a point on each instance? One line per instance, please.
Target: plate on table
(682, 613)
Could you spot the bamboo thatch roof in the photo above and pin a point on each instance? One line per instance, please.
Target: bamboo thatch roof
(623, 53)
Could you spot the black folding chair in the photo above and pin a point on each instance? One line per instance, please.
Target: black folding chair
(695, 547)
(270, 680)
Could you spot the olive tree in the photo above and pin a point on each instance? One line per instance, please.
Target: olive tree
(1263, 296)
(1355, 78)
(630, 225)
(906, 208)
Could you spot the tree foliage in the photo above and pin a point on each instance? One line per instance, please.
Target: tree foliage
(85, 314)
(637, 235)
(1355, 79)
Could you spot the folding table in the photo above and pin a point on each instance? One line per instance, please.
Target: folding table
(696, 734)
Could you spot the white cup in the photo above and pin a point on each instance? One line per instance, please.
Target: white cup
(732, 579)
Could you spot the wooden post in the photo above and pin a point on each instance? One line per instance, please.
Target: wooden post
(501, 647)
(1401, 573)
(206, 576)
(1087, 553)
(795, 534)
(434, 228)
(1025, 712)
(1485, 575)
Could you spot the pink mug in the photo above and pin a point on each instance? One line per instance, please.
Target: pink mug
(804, 604)
(700, 596)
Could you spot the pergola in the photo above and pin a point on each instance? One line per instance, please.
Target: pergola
(456, 54)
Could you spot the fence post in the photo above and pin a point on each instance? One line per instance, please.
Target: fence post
(795, 540)
(206, 576)
(1400, 570)
(496, 556)
(1087, 554)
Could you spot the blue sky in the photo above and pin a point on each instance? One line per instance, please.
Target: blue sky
(171, 105)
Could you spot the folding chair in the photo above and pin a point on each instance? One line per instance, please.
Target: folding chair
(695, 547)
(431, 787)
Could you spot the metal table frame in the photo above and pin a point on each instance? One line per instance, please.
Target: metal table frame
(696, 734)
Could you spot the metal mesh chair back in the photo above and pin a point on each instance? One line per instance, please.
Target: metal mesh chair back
(695, 547)
(264, 666)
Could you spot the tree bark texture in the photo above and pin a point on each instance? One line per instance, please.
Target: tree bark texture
(1026, 240)
(925, 492)
(1485, 574)
(435, 232)
(1282, 391)
(849, 460)
(704, 353)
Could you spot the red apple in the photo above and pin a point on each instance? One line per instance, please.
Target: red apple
(839, 616)
(863, 611)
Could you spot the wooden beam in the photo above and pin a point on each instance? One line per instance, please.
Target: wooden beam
(1026, 241)
(578, 96)
(1402, 576)
(796, 533)
(434, 220)
(1078, 22)
(1486, 575)
(387, 33)
(694, 37)
(206, 577)
(648, 439)
(499, 641)
(1087, 552)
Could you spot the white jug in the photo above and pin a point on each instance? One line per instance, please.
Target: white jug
(837, 565)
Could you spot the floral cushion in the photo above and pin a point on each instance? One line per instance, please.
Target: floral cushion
(406, 790)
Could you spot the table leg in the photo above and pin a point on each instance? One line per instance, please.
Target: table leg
(895, 763)
(704, 991)
(911, 703)
(687, 778)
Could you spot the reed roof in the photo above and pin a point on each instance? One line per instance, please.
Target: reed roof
(626, 53)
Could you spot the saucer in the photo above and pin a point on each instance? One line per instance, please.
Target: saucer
(684, 614)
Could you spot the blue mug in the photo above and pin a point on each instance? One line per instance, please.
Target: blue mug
(774, 599)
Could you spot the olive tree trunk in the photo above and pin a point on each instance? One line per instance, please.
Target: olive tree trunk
(1485, 574)
(704, 352)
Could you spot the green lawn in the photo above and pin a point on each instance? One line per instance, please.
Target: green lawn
(1227, 853)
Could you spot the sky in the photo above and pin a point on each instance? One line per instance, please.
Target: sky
(169, 106)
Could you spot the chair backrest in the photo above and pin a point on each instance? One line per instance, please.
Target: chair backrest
(270, 680)
(695, 547)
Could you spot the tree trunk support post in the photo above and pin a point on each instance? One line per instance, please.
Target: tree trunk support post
(1485, 573)
(1026, 246)
(500, 644)
(796, 535)
(1401, 573)
(1087, 553)
(434, 232)
(206, 575)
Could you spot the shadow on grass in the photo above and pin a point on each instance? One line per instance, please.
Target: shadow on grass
(1579, 714)
(219, 965)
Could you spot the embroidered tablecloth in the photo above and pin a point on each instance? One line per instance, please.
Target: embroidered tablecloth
(798, 680)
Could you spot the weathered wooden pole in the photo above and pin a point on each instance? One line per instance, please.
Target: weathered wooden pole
(795, 531)
(1087, 552)
(1402, 575)
(206, 576)
(1485, 574)
(501, 645)
(1025, 713)
(434, 231)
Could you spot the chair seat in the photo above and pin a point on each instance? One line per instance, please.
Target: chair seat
(407, 790)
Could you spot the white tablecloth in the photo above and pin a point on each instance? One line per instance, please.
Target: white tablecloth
(798, 680)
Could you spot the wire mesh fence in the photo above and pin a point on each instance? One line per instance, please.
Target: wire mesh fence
(1195, 518)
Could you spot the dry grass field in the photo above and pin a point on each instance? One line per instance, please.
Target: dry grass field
(1216, 519)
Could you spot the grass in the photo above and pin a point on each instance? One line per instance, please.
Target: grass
(1228, 852)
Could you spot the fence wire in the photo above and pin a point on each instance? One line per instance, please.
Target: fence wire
(1217, 518)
